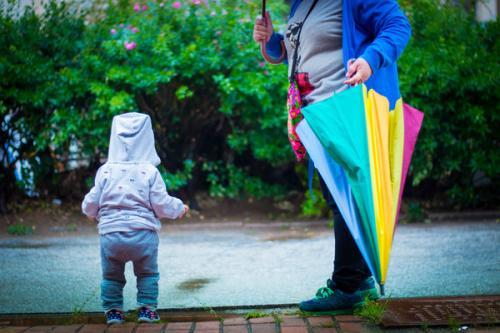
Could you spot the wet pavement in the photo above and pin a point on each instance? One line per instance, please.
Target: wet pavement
(203, 266)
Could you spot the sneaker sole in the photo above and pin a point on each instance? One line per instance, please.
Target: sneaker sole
(348, 311)
(115, 322)
(329, 313)
(144, 320)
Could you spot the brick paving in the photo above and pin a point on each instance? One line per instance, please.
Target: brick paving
(278, 324)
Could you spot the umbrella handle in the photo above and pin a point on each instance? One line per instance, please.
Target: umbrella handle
(268, 58)
(263, 44)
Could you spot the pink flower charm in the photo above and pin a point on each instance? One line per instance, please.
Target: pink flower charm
(137, 7)
(130, 46)
(176, 5)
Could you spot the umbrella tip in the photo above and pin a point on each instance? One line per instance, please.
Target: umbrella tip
(382, 289)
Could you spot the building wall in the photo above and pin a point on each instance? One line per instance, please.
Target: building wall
(486, 10)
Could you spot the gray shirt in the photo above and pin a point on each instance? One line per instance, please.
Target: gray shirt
(320, 51)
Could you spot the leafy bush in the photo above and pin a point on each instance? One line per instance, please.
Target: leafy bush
(228, 181)
(450, 71)
(217, 109)
(19, 229)
(195, 70)
(36, 51)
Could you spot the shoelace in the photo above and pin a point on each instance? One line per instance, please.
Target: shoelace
(324, 292)
(151, 314)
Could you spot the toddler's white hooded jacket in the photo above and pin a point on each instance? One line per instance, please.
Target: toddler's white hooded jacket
(129, 193)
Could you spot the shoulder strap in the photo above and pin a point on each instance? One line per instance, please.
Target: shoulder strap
(295, 53)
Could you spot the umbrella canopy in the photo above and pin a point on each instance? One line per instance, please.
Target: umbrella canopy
(372, 146)
(336, 180)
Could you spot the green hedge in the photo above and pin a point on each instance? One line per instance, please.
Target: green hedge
(218, 111)
(450, 71)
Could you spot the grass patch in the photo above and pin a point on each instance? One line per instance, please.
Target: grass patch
(72, 227)
(277, 317)
(19, 229)
(453, 324)
(214, 313)
(78, 314)
(256, 314)
(373, 311)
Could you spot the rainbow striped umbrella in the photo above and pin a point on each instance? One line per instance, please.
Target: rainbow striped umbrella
(363, 151)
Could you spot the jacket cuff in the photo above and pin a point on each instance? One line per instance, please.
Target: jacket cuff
(273, 46)
(373, 59)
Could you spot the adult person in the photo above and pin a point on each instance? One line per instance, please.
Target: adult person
(340, 43)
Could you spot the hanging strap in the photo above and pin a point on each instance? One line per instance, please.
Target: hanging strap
(296, 51)
(310, 177)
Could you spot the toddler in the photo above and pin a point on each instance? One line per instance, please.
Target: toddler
(128, 198)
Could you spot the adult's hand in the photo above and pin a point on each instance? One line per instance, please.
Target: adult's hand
(263, 29)
(358, 71)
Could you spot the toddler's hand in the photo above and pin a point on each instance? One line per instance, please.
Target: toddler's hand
(186, 209)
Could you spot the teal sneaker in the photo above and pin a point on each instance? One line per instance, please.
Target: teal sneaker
(332, 301)
(368, 290)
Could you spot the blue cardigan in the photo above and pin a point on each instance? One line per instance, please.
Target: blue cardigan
(375, 30)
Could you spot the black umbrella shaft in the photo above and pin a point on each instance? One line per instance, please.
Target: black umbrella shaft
(264, 10)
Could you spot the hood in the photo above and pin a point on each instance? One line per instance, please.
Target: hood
(132, 139)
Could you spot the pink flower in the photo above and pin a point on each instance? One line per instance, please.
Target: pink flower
(130, 46)
(196, 2)
(262, 64)
(113, 31)
(266, 72)
(144, 8)
(176, 5)
(121, 25)
(137, 7)
(134, 30)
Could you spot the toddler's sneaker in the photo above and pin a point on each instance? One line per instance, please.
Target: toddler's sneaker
(147, 314)
(115, 316)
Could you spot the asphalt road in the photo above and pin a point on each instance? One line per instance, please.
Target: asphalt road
(203, 266)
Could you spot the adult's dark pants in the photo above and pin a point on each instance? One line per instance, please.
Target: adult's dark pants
(349, 267)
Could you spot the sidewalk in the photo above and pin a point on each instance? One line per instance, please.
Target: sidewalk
(288, 324)
(285, 324)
